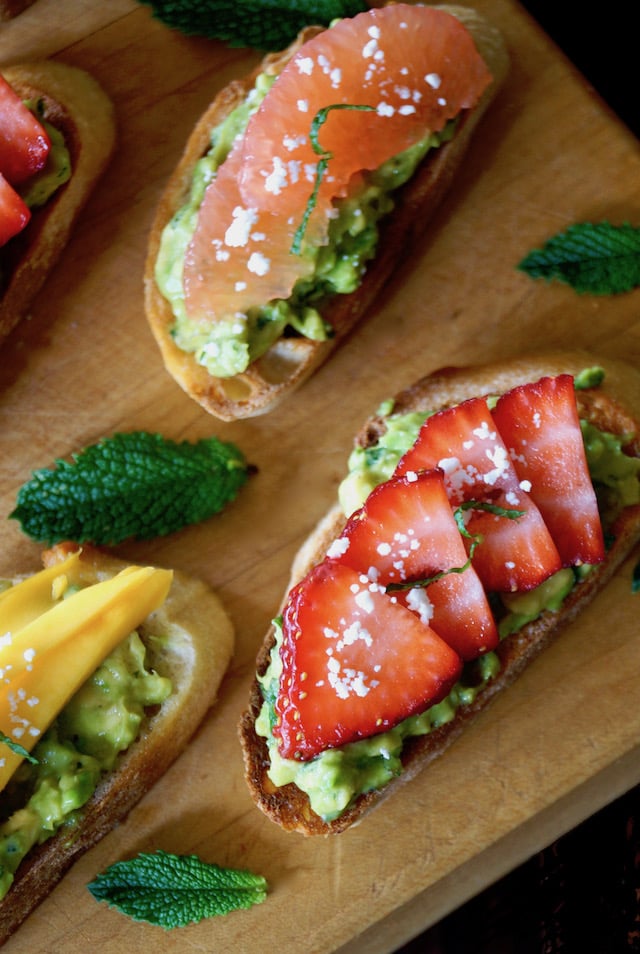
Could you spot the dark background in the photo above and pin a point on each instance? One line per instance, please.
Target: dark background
(602, 40)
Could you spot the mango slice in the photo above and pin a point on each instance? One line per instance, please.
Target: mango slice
(45, 660)
(33, 596)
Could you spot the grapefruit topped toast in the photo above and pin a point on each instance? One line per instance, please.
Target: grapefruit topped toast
(483, 510)
(298, 190)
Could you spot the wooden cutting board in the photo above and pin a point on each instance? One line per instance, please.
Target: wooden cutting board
(553, 749)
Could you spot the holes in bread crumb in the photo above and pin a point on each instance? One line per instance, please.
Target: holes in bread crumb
(285, 360)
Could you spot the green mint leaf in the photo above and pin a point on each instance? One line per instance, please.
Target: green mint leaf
(427, 580)
(131, 485)
(17, 748)
(600, 259)
(173, 890)
(635, 579)
(319, 120)
(476, 540)
(260, 24)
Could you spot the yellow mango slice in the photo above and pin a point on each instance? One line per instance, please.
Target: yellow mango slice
(47, 660)
(33, 596)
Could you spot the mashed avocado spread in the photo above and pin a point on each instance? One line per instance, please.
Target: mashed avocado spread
(101, 721)
(226, 347)
(336, 777)
(57, 170)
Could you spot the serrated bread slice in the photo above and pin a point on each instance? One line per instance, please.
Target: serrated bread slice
(77, 106)
(291, 360)
(195, 657)
(614, 407)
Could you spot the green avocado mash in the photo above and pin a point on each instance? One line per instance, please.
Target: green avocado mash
(227, 346)
(57, 170)
(615, 474)
(335, 778)
(99, 722)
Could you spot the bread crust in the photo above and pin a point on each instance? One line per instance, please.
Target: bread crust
(195, 658)
(291, 360)
(615, 407)
(77, 106)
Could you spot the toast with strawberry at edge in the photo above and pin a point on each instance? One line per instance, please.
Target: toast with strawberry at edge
(291, 359)
(72, 102)
(613, 406)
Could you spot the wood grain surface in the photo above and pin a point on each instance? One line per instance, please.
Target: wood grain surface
(559, 744)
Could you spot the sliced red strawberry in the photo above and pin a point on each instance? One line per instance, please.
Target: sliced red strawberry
(406, 531)
(354, 663)
(24, 143)
(539, 423)
(14, 214)
(514, 554)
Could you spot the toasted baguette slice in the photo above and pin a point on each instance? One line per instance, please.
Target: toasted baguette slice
(195, 658)
(292, 359)
(79, 108)
(614, 407)
(11, 8)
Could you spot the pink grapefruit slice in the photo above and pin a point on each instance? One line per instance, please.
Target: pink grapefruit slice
(239, 255)
(413, 68)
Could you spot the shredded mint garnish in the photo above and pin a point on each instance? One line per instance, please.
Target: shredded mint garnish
(131, 485)
(600, 259)
(174, 890)
(17, 748)
(319, 120)
(261, 24)
(476, 540)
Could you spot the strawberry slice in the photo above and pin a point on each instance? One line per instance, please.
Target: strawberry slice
(14, 214)
(406, 531)
(354, 663)
(539, 423)
(24, 143)
(514, 553)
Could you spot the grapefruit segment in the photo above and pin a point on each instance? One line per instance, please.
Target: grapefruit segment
(239, 255)
(413, 68)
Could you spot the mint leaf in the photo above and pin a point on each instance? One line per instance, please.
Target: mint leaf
(319, 120)
(600, 259)
(17, 748)
(174, 890)
(261, 24)
(134, 485)
(476, 539)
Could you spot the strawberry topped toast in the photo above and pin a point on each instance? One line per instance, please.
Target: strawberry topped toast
(57, 135)
(299, 189)
(484, 508)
